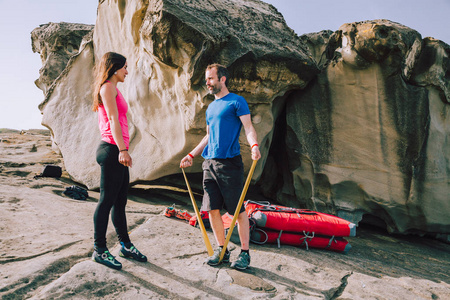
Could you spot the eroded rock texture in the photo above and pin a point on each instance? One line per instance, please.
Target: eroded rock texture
(67, 103)
(368, 138)
(56, 43)
(353, 122)
(168, 45)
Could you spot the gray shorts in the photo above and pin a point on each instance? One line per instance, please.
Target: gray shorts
(223, 181)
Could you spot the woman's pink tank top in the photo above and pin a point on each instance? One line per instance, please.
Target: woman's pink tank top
(105, 126)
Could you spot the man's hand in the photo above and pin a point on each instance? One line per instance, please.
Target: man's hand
(255, 153)
(186, 161)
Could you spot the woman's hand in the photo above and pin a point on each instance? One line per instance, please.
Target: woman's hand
(125, 159)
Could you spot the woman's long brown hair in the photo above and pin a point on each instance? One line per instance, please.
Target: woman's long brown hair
(110, 63)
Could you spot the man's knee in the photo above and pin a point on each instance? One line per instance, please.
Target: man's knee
(215, 213)
(243, 216)
(243, 219)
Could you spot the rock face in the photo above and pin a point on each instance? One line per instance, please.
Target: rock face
(353, 122)
(168, 45)
(66, 106)
(56, 43)
(368, 138)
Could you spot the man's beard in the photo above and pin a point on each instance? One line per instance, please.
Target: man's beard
(215, 89)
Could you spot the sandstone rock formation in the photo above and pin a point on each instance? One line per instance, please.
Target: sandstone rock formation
(369, 137)
(168, 45)
(66, 106)
(353, 122)
(56, 43)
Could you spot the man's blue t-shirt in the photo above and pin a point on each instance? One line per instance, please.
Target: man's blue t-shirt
(222, 117)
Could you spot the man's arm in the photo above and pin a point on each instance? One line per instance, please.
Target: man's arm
(250, 132)
(188, 159)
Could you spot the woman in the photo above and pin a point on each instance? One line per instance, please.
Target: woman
(114, 159)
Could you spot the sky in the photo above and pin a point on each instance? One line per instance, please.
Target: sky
(20, 66)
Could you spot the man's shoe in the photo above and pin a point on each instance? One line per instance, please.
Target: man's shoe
(214, 259)
(242, 262)
(104, 257)
(132, 252)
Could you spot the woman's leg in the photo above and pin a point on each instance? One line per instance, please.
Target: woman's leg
(118, 215)
(112, 173)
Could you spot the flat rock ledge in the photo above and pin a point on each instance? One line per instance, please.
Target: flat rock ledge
(46, 243)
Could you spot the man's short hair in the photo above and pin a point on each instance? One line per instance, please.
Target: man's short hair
(221, 71)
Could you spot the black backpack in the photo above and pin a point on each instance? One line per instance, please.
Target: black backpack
(50, 171)
(76, 192)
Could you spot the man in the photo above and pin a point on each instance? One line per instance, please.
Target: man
(223, 170)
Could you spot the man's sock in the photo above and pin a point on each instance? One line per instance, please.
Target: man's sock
(226, 251)
(246, 251)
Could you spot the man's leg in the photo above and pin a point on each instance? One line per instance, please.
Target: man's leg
(217, 226)
(212, 202)
(244, 230)
(243, 260)
(219, 233)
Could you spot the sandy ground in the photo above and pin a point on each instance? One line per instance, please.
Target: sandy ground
(46, 242)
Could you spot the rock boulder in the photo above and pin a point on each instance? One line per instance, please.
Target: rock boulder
(168, 45)
(368, 138)
(353, 122)
(56, 43)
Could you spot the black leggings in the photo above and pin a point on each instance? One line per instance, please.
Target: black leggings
(114, 182)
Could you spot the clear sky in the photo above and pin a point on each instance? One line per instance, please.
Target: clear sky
(20, 66)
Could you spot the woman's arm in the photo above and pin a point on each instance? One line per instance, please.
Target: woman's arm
(108, 93)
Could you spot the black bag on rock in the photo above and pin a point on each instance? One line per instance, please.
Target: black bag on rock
(50, 171)
(76, 192)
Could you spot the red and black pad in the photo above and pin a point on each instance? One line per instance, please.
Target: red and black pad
(262, 236)
(278, 218)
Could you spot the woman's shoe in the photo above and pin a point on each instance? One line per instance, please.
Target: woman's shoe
(104, 257)
(132, 252)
